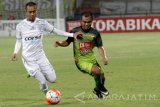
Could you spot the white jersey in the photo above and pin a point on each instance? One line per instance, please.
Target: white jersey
(30, 35)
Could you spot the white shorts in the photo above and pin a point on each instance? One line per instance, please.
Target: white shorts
(39, 63)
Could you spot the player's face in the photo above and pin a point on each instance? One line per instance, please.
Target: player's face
(31, 13)
(86, 22)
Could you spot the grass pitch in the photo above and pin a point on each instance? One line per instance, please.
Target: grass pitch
(133, 74)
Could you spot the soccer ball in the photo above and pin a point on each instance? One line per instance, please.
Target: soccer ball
(53, 96)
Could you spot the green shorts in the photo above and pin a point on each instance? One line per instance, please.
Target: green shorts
(86, 67)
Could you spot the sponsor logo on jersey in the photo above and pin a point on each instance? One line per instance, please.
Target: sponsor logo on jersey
(32, 38)
(85, 47)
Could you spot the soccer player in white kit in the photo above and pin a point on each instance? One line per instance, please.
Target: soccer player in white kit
(29, 34)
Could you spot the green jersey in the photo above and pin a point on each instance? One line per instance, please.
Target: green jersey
(83, 48)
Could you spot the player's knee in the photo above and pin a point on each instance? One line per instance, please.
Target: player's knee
(96, 70)
(52, 78)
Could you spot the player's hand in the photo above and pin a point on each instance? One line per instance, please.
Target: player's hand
(105, 61)
(56, 44)
(77, 35)
(14, 57)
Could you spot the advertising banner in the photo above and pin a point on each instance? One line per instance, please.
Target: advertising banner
(123, 24)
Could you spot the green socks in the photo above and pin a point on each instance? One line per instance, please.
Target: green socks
(99, 80)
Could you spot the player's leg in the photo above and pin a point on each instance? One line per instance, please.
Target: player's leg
(47, 69)
(49, 73)
(99, 79)
(96, 72)
(103, 89)
(33, 70)
(42, 81)
(93, 70)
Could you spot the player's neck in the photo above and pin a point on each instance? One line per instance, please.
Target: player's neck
(31, 21)
(85, 30)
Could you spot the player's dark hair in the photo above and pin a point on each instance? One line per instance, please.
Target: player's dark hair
(87, 14)
(30, 4)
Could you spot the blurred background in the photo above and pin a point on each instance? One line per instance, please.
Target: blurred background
(71, 9)
(65, 14)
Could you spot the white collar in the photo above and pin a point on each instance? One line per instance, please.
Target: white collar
(29, 22)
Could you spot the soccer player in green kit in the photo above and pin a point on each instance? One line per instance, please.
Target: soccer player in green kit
(83, 52)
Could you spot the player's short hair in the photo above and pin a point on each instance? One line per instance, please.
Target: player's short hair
(87, 14)
(30, 4)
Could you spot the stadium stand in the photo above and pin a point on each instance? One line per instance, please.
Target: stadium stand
(71, 9)
(14, 9)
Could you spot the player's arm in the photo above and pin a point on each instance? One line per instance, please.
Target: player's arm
(17, 45)
(99, 44)
(63, 33)
(61, 43)
(48, 27)
(103, 55)
(64, 43)
(16, 50)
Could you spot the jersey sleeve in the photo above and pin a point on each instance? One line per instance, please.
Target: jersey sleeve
(18, 32)
(98, 40)
(69, 39)
(63, 33)
(48, 27)
(18, 40)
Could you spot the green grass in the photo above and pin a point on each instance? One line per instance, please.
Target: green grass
(132, 74)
